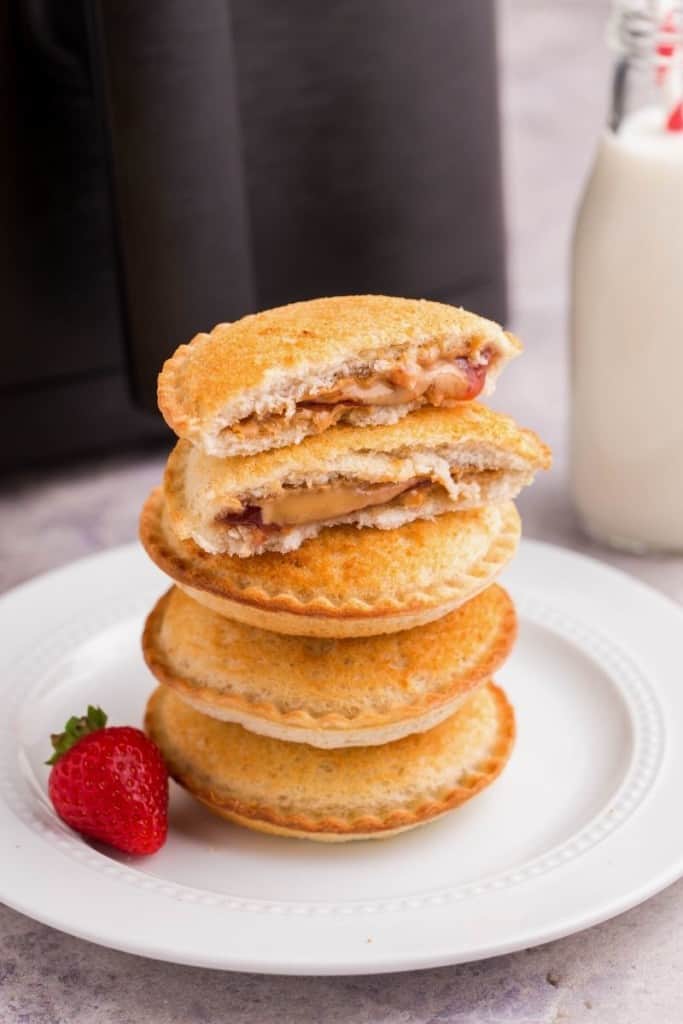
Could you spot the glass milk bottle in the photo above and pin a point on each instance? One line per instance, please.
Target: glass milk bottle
(627, 296)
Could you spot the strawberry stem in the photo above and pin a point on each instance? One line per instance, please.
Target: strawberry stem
(74, 730)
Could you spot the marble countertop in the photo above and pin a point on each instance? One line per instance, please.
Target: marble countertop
(627, 970)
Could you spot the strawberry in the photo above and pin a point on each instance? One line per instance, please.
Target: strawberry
(110, 783)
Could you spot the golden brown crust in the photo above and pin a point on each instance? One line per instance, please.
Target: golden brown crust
(463, 458)
(374, 689)
(345, 574)
(268, 828)
(203, 376)
(384, 789)
(303, 623)
(467, 426)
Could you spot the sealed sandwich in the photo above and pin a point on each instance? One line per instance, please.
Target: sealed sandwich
(271, 379)
(296, 790)
(328, 693)
(435, 461)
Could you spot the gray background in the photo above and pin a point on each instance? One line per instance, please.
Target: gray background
(555, 85)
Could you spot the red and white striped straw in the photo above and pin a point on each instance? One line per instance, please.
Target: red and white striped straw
(669, 61)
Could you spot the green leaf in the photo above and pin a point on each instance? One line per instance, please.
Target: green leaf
(75, 729)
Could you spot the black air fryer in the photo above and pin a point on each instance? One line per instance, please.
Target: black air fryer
(171, 165)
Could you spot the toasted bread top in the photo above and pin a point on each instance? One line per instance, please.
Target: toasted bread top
(226, 372)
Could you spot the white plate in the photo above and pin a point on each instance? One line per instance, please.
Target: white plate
(585, 821)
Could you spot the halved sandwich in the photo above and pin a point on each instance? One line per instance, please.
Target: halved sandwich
(435, 461)
(271, 379)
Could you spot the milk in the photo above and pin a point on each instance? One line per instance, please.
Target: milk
(627, 339)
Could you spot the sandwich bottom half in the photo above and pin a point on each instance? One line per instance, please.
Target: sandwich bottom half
(297, 790)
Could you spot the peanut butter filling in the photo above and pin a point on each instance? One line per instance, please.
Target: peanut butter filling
(437, 380)
(319, 417)
(440, 381)
(298, 506)
(301, 505)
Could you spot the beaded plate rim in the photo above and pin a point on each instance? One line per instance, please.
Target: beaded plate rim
(28, 802)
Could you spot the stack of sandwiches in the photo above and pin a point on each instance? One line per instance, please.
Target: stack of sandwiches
(333, 517)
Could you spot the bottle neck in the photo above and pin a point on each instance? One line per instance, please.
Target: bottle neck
(647, 38)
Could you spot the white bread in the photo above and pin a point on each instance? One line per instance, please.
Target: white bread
(445, 459)
(262, 367)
